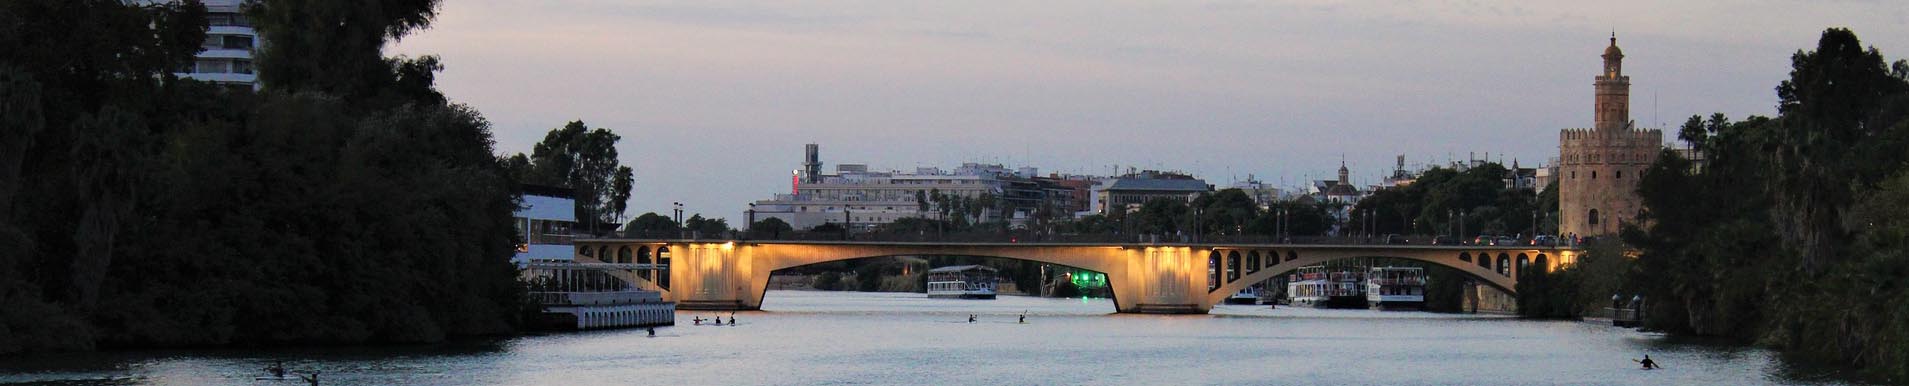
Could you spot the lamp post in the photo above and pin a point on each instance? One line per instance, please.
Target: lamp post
(679, 218)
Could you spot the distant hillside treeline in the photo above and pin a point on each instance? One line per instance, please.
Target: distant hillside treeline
(346, 203)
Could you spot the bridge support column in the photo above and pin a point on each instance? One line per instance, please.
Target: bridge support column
(1160, 280)
(716, 276)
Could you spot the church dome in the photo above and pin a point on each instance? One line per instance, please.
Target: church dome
(1612, 51)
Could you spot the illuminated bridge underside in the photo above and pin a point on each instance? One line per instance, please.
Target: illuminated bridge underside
(1145, 278)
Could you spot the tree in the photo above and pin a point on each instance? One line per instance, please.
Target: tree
(585, 160)
(651, 225)
(384, 210)
(1830, 138)
(1225, 212)
(773, 227)
(706, 227)
(337, 48)
(1161, 216)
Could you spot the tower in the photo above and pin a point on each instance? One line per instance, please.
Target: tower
(811, 164)
(1343, 173)
(1598, 168)
(1613, 90)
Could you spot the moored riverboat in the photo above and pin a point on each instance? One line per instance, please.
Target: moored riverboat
(962, 282)
(1320, 286)
(1395, 288)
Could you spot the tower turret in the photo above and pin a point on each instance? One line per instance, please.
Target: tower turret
(1613, 90)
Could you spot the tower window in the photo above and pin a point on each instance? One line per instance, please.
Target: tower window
(1592, 217)
(1620, 174)
(1574, 174)
(1593, 174)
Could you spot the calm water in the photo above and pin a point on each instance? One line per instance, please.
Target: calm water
(859, 338)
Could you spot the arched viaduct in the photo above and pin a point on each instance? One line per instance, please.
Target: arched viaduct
(1145, 278)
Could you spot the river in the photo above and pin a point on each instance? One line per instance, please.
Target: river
(804, 338)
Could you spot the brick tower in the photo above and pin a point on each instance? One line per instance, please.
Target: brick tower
(1599, 167)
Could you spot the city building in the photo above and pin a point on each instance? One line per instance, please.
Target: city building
(1599, 168)
(230, 43)
(1339, 191)
(1129, 192)
(1263, 194)
(545, 222)
(863, 200)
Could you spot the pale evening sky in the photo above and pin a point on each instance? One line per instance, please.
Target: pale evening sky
(714, 99)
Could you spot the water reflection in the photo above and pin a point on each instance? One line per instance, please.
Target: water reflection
(834, 338)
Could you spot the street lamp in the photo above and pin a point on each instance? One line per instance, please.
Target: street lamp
(679, 218)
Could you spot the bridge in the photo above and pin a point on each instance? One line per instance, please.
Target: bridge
(1145, 278)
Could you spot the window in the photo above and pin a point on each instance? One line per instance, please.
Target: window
(236, 42)
(1574, 174)
(1592, 218)
(1620, 174)
(1593, 174)
(242, 66)
(210, 67)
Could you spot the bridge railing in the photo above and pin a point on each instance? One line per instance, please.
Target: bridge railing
(1022, 236)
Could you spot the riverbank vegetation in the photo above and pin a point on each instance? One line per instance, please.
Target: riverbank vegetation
(344, 202)
(1789, 231)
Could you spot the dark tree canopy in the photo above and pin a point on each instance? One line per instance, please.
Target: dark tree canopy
(342, 204)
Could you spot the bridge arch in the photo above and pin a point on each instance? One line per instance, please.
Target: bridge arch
(1481, 272)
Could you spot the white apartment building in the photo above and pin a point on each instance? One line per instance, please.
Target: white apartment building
(864, 199)
(229, 45)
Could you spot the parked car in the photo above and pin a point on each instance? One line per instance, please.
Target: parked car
(1444, 240)
(1396, 239)
(1505, 241)
(1544, 241)
(1484, 240)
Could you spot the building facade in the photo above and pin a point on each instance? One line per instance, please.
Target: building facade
(864, 200)
(1598, 168)
(230, 43)
(1128, 193)
(546, 222)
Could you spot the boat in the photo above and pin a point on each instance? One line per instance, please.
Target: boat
(962, 282)
(1395, 288)
(1320, 286)
(1248, 295)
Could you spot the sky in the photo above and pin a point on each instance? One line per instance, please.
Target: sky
(715, 99)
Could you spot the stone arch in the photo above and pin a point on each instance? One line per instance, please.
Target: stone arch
(603, 254)
(1213, 261)
(643, 257)
(1524, 262)
(1232, 266)
(1543, 263)
(1504, 264)
(1292, 255)
(663, 275)
(1481, 273)
(1465, 257)
(1112, 261)
(624, 255)
(1252, 262)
